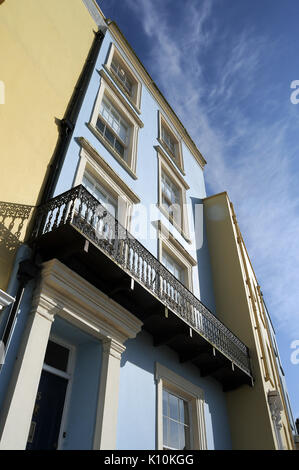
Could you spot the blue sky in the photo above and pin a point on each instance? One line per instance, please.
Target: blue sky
(226, 67)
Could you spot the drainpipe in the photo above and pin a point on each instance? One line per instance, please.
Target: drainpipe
(67, 124)
(27, 271)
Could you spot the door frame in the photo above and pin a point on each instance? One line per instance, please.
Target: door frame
(69, 375)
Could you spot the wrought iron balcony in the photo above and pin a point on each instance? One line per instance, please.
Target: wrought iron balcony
(75, 228)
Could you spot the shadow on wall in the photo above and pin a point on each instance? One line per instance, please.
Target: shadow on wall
(12, 229)
(138, 386)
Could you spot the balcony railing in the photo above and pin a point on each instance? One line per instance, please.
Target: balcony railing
(78, 208)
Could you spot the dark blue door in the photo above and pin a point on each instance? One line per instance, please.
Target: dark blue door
(47, 414)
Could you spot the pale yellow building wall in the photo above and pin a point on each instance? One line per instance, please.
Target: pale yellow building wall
(265, 346)
(234, 286)
(43, 47)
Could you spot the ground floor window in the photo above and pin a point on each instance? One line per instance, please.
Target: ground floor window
(180, 412)
(176, 422)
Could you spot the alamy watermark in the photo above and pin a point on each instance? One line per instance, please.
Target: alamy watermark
(294, 98)
(295, 353)
(143, 221)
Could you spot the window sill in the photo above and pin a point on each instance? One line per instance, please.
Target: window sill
(109, 147)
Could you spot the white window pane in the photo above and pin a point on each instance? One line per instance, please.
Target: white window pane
(113, 118)
(115, 126)
(173, 406)
(184, 414)
(170, 190)
(123, 132)
(173, 267)
(100, 193)
(87, 184)
(173, 436)
(105, 114)
(182, 436)
(165, 431)
(115, 114)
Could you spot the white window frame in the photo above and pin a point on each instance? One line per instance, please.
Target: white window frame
(169, 244)
(108, 91)
(92, 162)
(171, 392)
(174, 189)
(165, 166)
(177, 265)
(135, 97)
(166, 378)
(110, 201)
(114, 119)
(177, 154)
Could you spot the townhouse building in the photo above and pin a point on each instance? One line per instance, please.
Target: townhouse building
(126, 337)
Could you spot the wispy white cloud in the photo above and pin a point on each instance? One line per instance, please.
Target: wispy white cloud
(248, 155)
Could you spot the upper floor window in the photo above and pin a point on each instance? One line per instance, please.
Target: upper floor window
(174, 256)
(118, 69)
(114, 128)
(173, 266)
(170, 142)
(172, 194)
(102, 182)
(171, 198)
(125, 77)
(100, 193)
(116, 125)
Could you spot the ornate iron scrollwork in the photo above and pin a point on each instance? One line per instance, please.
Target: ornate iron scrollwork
(79, 208)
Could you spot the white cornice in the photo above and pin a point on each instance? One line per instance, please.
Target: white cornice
(84, 304)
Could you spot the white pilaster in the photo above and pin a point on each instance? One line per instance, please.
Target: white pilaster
(17, 413)
(106, 420)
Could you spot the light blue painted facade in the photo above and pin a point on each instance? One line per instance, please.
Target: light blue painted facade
(146, 184)
(137, 394)
(136, 427)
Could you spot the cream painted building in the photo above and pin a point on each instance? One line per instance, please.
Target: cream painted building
(260, 412)
(112, 327)
(38, 76)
